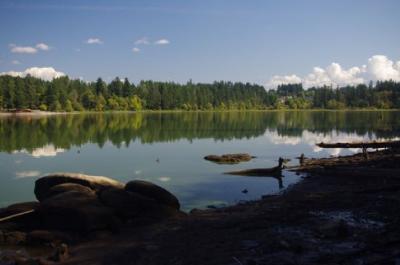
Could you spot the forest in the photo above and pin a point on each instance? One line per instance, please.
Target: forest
(65, 94)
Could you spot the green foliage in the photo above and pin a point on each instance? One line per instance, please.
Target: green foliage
(56, 106)
(64, 94)
(334, 104)
(68, 106)
(135, 103)
(43, 107)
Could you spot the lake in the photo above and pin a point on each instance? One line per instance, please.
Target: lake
(168, 148)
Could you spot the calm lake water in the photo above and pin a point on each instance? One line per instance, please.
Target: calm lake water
(168, 148)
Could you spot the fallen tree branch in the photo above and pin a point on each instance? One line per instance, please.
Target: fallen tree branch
(385, 144)
(16, 215)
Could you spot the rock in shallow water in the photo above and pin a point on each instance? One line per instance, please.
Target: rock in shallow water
(81, 203)
(153, 191)
(229, 158)
(96, 183)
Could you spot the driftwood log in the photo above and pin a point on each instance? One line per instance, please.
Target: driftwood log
(383, 144)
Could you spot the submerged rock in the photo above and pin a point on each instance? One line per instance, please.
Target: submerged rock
(152, 191)
(229, 158)
(96, 183)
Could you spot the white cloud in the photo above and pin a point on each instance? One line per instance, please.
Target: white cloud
(45, 73)
(22, 49)
(284, 79)
(42, 46)
(27, 174)
(379, 67)
(15, 62)
(94, 41)
(135, 49)
(161, 42)
(29, 49)
(334, 75)
(143, 41)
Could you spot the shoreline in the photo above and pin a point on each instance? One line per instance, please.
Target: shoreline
(342, 212)
(324, 218)
(51, 113)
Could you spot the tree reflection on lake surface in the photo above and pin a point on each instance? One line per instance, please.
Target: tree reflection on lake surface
(168, 148)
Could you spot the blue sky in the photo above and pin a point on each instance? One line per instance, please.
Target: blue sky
(202, 40)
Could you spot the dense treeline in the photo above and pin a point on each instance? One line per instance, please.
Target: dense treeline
(64, 94)
(384, 95)
(66, 131)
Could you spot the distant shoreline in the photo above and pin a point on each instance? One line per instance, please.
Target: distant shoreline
(32, 113)
(51, 113)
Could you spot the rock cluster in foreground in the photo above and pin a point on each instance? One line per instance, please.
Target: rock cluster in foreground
(74, 204)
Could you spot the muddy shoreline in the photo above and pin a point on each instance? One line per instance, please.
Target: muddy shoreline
(346, 211)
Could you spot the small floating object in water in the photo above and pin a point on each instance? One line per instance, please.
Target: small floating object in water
(158, 160)
(245, 191)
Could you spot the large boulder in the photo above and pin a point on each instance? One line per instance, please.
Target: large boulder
(96, 183)
(150, 190)
(75, 211)
(24, 216)
(126, 204)
(18, 208)
(65, 187)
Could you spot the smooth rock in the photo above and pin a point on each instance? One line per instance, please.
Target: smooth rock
(126, 204)
(96, 183)
(28, 220)
(75, 211)
(18, 208)
(153, 191)
(65, 187)
(229, 158)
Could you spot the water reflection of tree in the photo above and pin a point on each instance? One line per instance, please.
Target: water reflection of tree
(123, 128)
